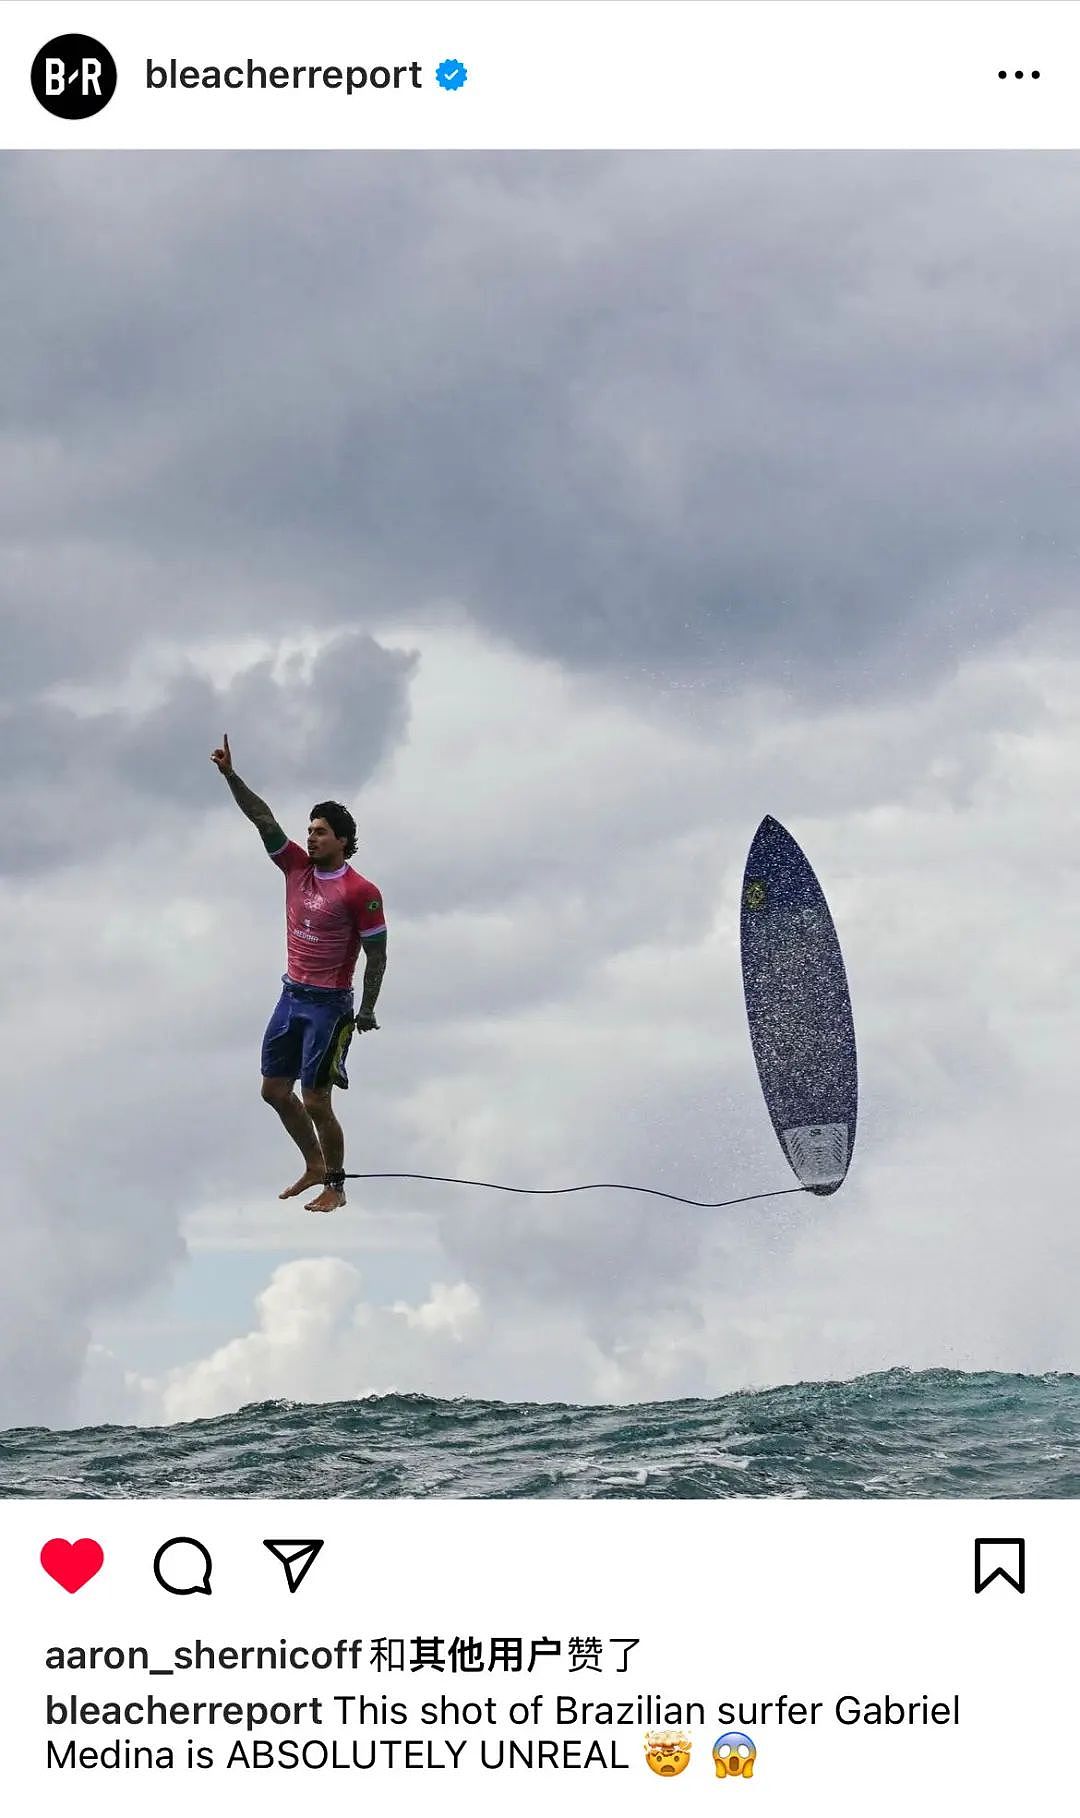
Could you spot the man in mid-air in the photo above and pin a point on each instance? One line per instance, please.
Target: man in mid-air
(330, 913)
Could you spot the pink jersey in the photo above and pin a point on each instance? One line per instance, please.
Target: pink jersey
(327, 913)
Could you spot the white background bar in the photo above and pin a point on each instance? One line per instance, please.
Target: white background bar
(573, 73)
(819, 1601)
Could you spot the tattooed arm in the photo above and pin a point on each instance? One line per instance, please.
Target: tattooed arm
(246, 800)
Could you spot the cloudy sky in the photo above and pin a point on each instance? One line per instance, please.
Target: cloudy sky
(564, 515)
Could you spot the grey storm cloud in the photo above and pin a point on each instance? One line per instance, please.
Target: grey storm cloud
(769, 460)
(336, 721)
(768, 417)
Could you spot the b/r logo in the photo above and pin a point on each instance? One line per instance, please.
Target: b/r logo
(73, 76)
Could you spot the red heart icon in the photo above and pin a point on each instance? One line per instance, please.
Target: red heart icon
(72, 1562)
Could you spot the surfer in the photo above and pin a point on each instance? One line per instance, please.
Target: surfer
(330, 913)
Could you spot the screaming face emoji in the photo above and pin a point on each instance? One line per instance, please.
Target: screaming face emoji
(667, 1752)
(734, 1754)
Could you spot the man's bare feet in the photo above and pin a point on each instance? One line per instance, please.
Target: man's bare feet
(311, 1177)
(329, 1200)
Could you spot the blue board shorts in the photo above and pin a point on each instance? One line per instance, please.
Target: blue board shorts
(308, 1036)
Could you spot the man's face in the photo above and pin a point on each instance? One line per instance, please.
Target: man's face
(325, 850)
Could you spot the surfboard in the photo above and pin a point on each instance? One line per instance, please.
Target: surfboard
(798, 1009)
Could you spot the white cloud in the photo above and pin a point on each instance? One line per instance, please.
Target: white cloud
(313, 1321)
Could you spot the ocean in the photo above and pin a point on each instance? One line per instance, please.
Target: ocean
(898, 1433)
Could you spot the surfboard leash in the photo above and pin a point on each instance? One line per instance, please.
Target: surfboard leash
(592, 1186)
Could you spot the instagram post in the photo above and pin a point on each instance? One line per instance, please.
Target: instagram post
(538, 704)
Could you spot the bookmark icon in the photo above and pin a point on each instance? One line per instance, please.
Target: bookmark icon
(999, 1558)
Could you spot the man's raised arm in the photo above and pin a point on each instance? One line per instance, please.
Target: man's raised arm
(246, 800)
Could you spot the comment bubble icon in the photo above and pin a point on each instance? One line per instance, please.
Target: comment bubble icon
(182, 1566)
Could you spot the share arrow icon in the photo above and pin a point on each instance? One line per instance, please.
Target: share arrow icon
(297, 1556)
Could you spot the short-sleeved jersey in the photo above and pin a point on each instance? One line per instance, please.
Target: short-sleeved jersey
(327, 915)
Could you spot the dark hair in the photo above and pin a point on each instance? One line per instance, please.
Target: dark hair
(339, 821)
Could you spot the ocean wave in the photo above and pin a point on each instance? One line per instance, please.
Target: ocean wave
(899, 1433)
